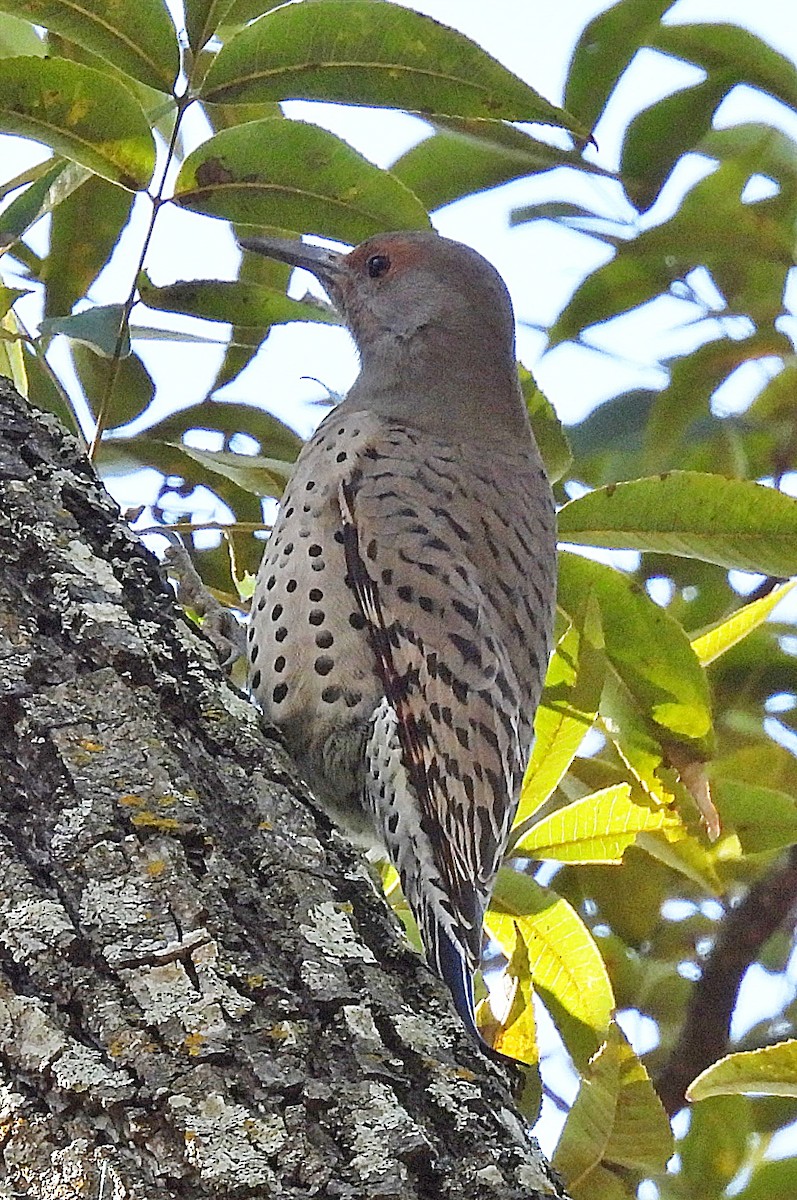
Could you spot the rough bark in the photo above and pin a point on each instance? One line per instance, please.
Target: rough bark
(201, 993)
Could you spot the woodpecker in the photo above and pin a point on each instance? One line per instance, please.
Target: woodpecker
(402, 619)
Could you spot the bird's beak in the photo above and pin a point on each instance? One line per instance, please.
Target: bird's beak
(326, 265)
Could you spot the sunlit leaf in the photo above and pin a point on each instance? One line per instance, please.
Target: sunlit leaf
(771, 1071)
(357, 52)
(8, 295)
(517, 1034)
(565, 963)
(713, 642)
(599, 828)
(617, 1121)
(567, 710)
(81, 113)
(296, 176)
(732, 522)
(12, 359)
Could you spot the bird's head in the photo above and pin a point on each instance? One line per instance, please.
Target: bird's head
(406, 287)
(434, 326)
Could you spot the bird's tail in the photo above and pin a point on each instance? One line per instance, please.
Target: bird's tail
(451, 965)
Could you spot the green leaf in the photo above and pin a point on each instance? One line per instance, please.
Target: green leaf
(203, 18)
(133, 388)
(138, 38)
(713, 642)
(597, 829)
(297, 177)
(8, 295)
(547, 428)
(716, 1145)
(625, 282)
(264, 272)
(731, 522)
(237, 302)
(81, 113)
(358, 52)
(604, 50)
(617, 1121)
(97, 328)
(274, 437)
(19, 37)
(565, 963)
(468, 156)
(747, 248)
(517, 1034)
(658, 136)
(762, 818)
(567, 710)
(693, 380)
(12, 359)
(557, 210)
(758, 148)
(772, 1180)
(771, 1071)
(57, 179)
(43, 393)
(252, 472)
(723, 47)
(649, 650)
(85, 230)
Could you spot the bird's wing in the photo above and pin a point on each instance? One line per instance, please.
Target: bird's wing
(445, 756)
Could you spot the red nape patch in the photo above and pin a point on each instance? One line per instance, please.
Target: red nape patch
(402, 251)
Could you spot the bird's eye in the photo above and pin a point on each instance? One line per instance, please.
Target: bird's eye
(378, 265)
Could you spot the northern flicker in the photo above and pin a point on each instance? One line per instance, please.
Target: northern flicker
(402, 618)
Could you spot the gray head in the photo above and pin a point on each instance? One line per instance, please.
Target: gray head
(433, 323)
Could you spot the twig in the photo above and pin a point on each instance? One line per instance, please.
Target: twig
(704, 1036)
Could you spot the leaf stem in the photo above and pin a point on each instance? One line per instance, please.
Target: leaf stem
(182, 101)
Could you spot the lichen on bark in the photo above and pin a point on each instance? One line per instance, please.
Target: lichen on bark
(201, 993)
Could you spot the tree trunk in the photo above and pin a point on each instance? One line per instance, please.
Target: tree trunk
(201, 993)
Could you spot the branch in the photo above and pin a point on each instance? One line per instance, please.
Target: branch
(743, 932)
